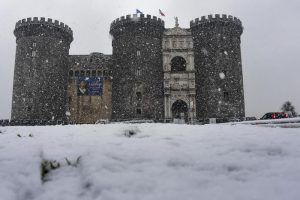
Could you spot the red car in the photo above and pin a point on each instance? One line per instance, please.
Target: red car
(275, 115)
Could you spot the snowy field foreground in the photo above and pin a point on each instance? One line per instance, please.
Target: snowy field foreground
(159, 162)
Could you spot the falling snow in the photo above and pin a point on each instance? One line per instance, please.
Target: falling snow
(222, 76)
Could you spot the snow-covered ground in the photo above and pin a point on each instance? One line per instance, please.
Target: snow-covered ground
(284, 123)
(159, 162)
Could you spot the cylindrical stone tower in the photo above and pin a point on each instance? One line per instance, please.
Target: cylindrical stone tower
(41, 69)
(138, 72)
(218, 65)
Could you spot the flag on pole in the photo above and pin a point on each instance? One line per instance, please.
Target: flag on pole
(161, 13)
(138, 11)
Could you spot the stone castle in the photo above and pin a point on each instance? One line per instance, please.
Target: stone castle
(156, 73)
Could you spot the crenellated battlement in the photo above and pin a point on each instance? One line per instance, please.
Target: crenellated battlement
(204, 20)
(141, 18)
(42, 20)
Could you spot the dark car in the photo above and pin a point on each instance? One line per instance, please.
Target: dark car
(275, 115)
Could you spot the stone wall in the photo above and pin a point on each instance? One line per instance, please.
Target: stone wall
(89, 109)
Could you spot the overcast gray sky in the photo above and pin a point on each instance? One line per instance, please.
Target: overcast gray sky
(270, 42)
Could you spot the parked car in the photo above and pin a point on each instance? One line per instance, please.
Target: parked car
(250, 118)
(275, 115)
(102, 121)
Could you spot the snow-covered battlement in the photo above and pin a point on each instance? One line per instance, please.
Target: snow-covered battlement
(215, 18)
(42, 20)
(148, 19)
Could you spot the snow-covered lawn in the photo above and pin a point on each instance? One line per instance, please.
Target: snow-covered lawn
(159, 162)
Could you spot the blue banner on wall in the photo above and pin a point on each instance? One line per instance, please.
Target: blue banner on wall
(89, 86)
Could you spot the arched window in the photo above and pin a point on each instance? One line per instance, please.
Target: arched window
(178, 64)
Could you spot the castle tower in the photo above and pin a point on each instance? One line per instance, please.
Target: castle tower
(219, 79)
(41, 69)
(137, 74)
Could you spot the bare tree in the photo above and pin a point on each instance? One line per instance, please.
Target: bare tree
(289, 108)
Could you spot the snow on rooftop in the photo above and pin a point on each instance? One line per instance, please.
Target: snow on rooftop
(151, 161)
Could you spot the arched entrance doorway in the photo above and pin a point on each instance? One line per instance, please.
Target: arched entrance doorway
(180, 110)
